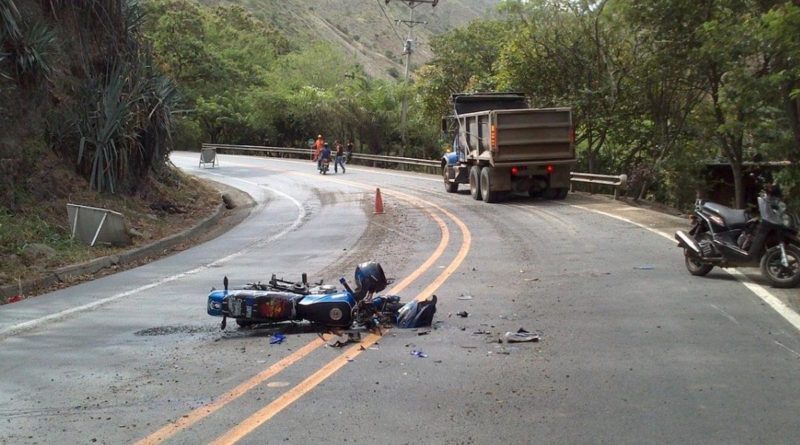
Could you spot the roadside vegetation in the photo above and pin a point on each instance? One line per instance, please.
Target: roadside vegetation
(85, 118)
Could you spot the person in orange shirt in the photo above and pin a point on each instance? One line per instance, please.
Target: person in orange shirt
(317, 148)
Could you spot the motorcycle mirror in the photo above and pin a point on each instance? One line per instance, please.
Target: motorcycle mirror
(346, 286)
(305, 279)
(225, 283)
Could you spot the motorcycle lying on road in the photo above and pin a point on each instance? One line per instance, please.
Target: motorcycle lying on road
(280, 300)
(725, 237)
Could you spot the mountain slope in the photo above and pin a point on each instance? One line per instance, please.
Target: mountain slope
(367, 30)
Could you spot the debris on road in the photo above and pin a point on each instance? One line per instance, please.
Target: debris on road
(419, 353)
(465, 297)
(521, 336)
(277, 338)
(341, 340)
(646, 267)
(463, 314)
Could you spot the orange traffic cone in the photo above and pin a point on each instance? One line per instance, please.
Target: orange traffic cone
(378, 202)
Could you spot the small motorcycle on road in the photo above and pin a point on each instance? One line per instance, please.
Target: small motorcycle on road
(725, 237)
(324, 166)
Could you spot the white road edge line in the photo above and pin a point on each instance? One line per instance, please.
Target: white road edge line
(760, 291)
(10, 330)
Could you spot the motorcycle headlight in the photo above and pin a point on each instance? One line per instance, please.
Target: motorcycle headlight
(214, 305)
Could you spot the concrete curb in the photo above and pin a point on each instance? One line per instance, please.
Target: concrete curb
(93, 266)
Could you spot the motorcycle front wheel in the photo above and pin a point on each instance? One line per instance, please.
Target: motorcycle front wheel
(779, 275)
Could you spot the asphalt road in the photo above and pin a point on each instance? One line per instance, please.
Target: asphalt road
(633, 349)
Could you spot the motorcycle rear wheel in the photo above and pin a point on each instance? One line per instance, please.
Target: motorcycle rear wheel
(776, 273)
(695, 266)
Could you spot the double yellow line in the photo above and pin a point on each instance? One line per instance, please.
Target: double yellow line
(304, 387)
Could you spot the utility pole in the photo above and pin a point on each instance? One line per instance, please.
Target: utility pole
(408, 49)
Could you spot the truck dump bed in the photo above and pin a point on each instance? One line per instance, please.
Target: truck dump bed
(520, 137)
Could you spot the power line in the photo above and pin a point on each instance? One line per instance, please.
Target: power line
(389, 20)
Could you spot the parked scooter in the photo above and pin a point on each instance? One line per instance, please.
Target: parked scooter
(725, 237)
(280, 300)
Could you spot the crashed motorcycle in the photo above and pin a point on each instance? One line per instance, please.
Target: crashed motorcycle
(284, 301)
(726, 237)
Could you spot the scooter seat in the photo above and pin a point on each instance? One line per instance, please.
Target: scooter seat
(733, 218)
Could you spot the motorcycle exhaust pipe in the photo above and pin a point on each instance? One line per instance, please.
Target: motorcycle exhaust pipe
(687, 241)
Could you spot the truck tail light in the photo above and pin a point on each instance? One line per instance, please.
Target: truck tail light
(550, 169)
(493, 138)
(514, 171)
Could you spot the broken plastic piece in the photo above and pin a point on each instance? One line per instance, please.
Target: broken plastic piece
(463, 314)
(465, 297)
(520, 336)
(419, 354)
(277, 338)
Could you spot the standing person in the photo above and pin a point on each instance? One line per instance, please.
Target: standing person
(339, 158)
(349, 151)
(318, 144)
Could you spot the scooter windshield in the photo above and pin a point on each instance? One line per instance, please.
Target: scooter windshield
(770, 210)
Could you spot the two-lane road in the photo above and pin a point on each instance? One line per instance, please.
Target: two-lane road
(633, 350)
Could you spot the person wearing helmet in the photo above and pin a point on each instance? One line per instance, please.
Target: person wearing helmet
(325, 154)
(317, 148)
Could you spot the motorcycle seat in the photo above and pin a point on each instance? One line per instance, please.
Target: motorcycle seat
(733, 218)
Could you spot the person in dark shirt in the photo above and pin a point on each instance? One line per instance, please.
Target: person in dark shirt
(339, 158)
(348, 153)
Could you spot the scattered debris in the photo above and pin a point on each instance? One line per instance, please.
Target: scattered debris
(341, 341)
(465, 297)
(463, 314)
(520, 336)
(277, 338)
(418, 353)
(647, 267)
(423, 332)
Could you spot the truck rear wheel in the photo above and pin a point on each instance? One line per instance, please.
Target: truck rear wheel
(475, 182)
(450, 187)
(562, 192)
(486, 186)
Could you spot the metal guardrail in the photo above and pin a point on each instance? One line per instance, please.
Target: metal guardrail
(308, 151)
(619, 182)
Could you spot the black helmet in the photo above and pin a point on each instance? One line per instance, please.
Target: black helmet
(370, 277)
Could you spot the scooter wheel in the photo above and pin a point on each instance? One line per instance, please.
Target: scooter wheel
(779, 275)
(695, 266)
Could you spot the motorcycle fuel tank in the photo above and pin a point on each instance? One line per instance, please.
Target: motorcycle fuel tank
(328, 309)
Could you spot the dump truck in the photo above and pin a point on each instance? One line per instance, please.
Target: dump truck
(501, 146)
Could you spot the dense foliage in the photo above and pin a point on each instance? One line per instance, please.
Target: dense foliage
(77, 78)
(243, 82)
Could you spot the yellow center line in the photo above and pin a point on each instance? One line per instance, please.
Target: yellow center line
(267, 412)
(204, 411)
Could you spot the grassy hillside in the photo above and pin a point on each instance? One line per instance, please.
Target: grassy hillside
(366, 29)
